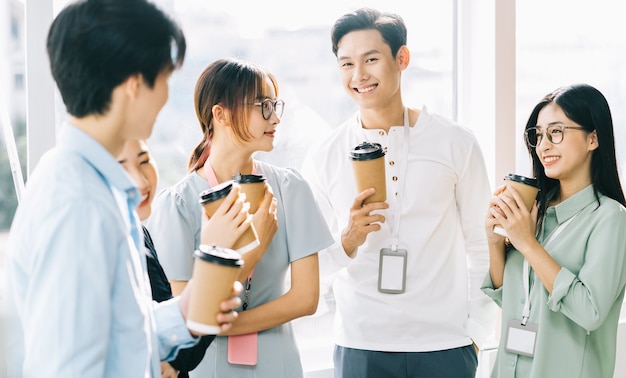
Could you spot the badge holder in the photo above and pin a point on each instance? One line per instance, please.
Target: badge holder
(242, 349)
(521, 338)
(392, 271)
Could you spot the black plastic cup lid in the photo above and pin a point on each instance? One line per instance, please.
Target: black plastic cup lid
(216, 192)
(522, 179)
(219, 255)
(367, 151)
(248, 179)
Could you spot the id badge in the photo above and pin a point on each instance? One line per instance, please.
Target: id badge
(521, 339)
(392, 271)
(242, 349)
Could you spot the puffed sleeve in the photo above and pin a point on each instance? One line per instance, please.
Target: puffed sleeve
(306, 228)
(175, 224)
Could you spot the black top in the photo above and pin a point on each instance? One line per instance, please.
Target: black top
(189, 358)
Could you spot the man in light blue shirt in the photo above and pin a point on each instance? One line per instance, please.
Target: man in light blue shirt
(77, 293)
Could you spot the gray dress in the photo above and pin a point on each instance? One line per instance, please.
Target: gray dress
(175, 227)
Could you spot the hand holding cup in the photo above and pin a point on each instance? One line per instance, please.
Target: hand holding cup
(526, 187)
(227, 315)
(228, 222)
(263, 204)
(215, 274)
(211, 199)
(254, 187)
(361, 221)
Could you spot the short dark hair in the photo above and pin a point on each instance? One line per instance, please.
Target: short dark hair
(95, 45)
(588, 107)
(391, 27)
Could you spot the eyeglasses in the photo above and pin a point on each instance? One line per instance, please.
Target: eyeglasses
(268, 106)
(534, 135)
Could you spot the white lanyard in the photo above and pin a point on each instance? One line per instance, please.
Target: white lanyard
(526, 270)
(395, 211)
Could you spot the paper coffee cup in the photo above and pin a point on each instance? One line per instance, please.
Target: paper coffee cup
(215, 270)
(211, 199)
(254, 187)
(526, 187)
(368, 167)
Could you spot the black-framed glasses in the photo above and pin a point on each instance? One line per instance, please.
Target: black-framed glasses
(555, 134)
(268, 106)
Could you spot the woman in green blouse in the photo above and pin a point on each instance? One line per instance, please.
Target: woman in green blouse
(560, 276)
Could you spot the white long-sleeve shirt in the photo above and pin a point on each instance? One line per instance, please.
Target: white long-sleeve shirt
(443, 206)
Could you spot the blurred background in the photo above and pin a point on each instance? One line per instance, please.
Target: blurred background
(457, 56)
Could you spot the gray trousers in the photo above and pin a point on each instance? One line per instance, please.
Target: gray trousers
(451, 363)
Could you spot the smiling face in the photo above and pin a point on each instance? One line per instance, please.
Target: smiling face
(135, 158)
(570, 160)
(368, 71)
(262, 130)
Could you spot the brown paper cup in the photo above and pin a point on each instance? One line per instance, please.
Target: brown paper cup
(215, 270)
(526, 187)
(211, 199)
(368, 167)
(254, 188)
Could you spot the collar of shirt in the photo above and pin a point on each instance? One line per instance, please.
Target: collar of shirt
(355, 122)
(570, 207)
(74, 139)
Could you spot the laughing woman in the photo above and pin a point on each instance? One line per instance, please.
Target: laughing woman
(560, 281)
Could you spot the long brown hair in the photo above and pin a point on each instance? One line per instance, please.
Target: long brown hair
(234, 84)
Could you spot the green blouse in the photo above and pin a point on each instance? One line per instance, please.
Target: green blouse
(578, 322)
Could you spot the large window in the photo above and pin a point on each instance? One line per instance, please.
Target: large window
(559, 42)
(292, 39)
(563, 42)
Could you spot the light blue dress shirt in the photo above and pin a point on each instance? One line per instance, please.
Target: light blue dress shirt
(77, 292)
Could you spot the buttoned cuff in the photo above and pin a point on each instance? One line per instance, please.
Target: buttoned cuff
(560, 288)
(172, 331)
(488, 289)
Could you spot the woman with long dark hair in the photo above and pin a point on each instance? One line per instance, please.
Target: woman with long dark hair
(560, 276)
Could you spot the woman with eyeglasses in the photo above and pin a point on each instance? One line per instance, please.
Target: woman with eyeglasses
(238, 111)
(560, 276)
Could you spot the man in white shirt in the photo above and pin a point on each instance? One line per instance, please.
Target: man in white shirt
(408, 288)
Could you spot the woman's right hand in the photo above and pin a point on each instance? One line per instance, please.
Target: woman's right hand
(265, 219)
(495, 242)
(265, 223)
(491, 221)
(228, 223)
